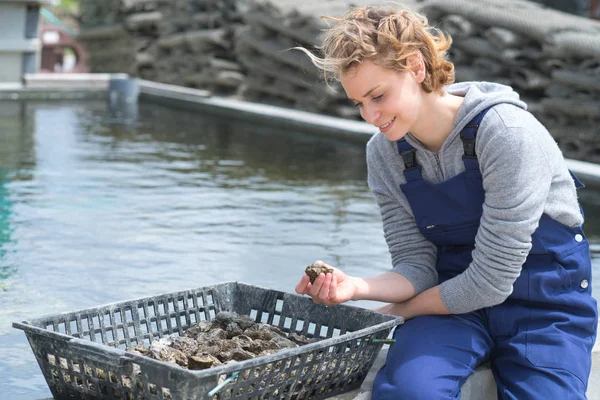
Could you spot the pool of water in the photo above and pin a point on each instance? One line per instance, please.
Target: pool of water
(95, 209)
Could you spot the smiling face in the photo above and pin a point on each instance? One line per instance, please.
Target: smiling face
(389, 99)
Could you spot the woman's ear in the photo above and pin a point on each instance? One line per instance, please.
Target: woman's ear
(417, 66)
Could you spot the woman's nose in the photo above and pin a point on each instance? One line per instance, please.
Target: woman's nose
(370, 114)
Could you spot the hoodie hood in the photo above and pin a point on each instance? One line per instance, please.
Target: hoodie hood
(479, 96)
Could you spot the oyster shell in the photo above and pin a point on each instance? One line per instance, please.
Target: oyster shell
(314, 270)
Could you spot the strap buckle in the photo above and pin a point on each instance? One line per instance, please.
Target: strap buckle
(410, 159)
(469, 147)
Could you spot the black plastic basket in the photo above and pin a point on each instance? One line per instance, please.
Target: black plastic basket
(84, 354)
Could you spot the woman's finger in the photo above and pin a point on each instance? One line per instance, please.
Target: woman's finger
(315, 288)
(324, 292)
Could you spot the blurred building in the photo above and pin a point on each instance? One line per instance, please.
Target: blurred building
(19, 41)
(61, 52)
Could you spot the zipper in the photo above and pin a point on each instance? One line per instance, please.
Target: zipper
(439, 164)
(454, 226)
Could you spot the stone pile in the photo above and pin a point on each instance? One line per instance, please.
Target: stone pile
(195, 48)
(120, 35)
(551, 58)
(182, 42)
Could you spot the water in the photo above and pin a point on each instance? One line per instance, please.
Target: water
(95, 210)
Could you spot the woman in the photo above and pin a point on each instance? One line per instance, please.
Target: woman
(480, 214)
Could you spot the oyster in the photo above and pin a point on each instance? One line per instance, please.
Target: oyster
(314, 270)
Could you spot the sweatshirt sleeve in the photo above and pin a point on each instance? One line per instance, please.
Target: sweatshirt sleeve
(412, 255)
(516, 179)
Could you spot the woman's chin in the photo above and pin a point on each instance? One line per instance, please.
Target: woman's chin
(393, 135)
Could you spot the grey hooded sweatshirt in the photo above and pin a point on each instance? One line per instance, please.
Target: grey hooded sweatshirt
(524, 175)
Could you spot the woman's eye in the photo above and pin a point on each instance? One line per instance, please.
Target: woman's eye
(377, 98)
(358, 105)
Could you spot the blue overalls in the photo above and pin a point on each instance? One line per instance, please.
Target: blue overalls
(538, 341)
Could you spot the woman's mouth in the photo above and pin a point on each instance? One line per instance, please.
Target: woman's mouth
(386, 127)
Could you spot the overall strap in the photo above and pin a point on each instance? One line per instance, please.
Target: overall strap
(412, 171)
(578, 183)
(468, 135)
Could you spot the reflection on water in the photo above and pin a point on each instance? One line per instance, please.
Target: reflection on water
(5, 230)
(95, 210)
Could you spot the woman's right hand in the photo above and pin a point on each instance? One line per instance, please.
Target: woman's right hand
(328, 289)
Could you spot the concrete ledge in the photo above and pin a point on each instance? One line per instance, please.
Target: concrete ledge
(281, 117)
(479, 386)
(57, 81)
(15, 92)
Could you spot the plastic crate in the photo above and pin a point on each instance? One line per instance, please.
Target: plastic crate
(83, 354)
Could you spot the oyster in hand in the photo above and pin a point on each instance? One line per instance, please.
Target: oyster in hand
(314, 270)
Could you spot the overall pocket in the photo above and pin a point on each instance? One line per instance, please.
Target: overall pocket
(456, 234)
(560, 352)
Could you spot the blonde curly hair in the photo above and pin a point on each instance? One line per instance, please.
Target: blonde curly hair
(387, 36)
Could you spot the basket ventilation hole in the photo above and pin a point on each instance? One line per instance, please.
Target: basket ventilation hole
(163, 325)
(264, 318)
(323, 332)
(279, 305)
(151, 310)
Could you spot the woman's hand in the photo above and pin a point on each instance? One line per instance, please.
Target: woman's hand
(328, 289)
